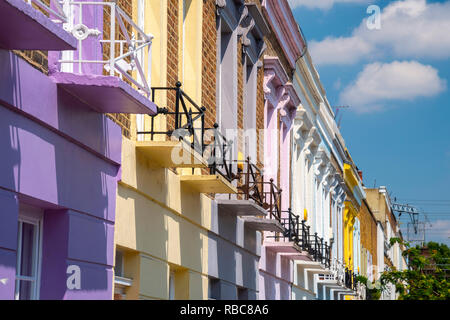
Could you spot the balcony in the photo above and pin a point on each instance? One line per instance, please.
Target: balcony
(171, 154)
(111, 69)
(248, 200)
(350, 279)
(187, 143)
(207, 184)
(267, 196)
(320, 250)
(34, 25)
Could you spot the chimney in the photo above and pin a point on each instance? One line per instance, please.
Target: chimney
(360, 173)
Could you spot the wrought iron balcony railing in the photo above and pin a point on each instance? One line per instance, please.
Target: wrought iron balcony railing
(252, 185)
(291, 226)
(219, 155)
(187, 123)
(350, 279)
(297, 231)
(120, 48)
(187, 117)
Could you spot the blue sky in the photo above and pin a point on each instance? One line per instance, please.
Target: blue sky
(396, 81)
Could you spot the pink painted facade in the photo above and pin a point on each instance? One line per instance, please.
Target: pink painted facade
(281, 102)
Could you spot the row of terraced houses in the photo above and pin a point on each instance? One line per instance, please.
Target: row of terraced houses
(176, 149)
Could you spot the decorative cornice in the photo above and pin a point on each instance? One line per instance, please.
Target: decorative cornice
(303, 124)
(244, 28)
(328, 176)
(313, 141)
(261, 23)
(293, 94)
(274, 75)
(279, 90)
(221, 3)
(321, 161)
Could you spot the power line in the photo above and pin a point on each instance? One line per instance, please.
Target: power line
(436, 200)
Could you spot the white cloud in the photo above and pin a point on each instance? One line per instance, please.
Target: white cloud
(440, 230)
(339, 50)
(409, 29)
(321, 4)
(379, 83)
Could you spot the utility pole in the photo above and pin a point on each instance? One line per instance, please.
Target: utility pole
(336, 113)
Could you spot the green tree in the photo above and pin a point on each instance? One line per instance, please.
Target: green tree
(427, 275)
(372, 292)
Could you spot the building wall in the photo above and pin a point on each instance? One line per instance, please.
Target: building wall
(162, 226)
(209, 59)
(234, 248)
(281, 101)
(62, 159)
(165, 224)
(234, 251)
(368, 236)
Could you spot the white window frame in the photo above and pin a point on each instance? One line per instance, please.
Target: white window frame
(35, 217)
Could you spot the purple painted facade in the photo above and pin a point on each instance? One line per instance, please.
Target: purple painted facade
(61, 157)
(31, 29)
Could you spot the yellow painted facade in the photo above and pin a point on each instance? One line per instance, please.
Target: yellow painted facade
(161, 225)
(350, 213)
(351, 210)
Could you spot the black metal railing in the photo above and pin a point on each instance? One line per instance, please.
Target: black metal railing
(188, 119)
(219, 155)
(253, 186)
(250, 177)
(327, 257)
(350, 279)
(291, 226)
(305, 237)
(188, 124)
(297, 231)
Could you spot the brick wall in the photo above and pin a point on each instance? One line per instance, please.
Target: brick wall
(122, 119)
(36, 58)
(274, 49)
(368, 230)
(209, 60)
(172, 57)
(260, 117)
(240, 96)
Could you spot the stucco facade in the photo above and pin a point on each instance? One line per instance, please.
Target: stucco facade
(177, 149)
(58, 174)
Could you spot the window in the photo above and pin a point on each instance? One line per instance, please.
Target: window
(28, 254)
(214, 289)
(121, 282)
(118, 266)
(242, 293)
(172, 286)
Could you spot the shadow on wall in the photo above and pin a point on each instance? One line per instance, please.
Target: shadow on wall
(193, 240)
(270, 287)
(45, 163)
(226, 251)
